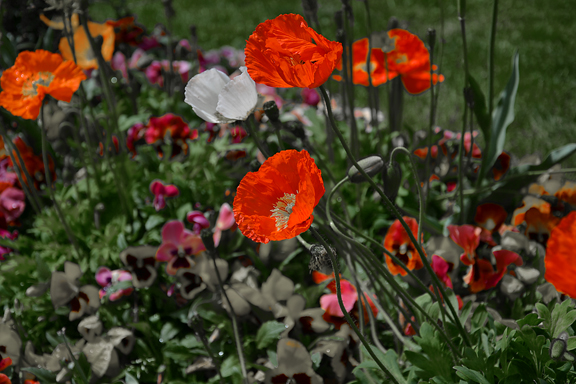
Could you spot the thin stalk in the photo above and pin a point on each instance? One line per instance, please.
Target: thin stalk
(432, 35)
(394, 211)
(277, 125)
(462, 18)
(251, 127)
(491, 63)
(77, 366)
(349, 319)
(82, 159)
(61, 216)
(461, 168)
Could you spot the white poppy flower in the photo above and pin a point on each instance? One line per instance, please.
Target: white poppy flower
(218, 99)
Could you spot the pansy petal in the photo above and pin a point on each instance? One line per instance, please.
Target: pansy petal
(172, 232)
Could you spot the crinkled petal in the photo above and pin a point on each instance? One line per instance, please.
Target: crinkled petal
(202, 92)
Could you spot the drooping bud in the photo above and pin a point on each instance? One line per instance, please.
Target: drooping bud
(319, 259)
(392, 178)
(271, 110)
(372, 165)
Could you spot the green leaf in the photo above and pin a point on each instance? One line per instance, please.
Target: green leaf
(480, 107)
(130, 379)
(469, 374)
(44, 272)
(168, 332)
(269, 331)
(183, 210)
(45, 376)
(503, 116)
(388, 359)
(153, 221)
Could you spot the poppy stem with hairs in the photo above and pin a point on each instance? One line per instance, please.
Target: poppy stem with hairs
(349, 319)
(48, 180)
(394, 211)
(251, 127)
(25, 186)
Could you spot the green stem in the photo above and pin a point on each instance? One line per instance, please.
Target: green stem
(349, 319)
(77, 366)
(251, 127)
(394, 211)
(48, 177)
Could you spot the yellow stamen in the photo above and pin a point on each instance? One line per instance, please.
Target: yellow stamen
(283, 209)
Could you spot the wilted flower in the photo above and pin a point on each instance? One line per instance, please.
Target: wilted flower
(285, 52)
(65, 289)
(108, 279)
(276, 203)
(161, 192)
(35, 75)
(398, 243)
(216, 98)
(178, 247)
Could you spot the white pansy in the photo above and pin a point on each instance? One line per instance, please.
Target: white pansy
(218, 99)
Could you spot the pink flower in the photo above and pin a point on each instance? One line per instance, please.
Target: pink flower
(12, 203)
(310, 96)
(7, 179)
(135, 134)
(178, 245)
(148, 42)
(441, 268)
(224, 222)
(198, 220)
(238, 134)
(118, 63)
(468, 237)
(154, 70)
(4, 234)
(107, 279)
(161, 192)
(329, 302)
(135, 58)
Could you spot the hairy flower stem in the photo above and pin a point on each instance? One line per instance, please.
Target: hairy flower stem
(393, 209)
(49, 186)
(25, 186)
(334, 260)
(251, 127)
(237, 338)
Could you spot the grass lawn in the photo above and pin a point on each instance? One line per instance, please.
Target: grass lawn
(545, 116)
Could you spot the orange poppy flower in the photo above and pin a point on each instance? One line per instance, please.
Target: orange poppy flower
(276, 203)
(409, 59)
(559, 260)
(285, 53)
(35, 75)
(398, 243)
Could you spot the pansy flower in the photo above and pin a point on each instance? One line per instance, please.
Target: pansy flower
(4, 363)
(201, 276)
(306, 319)
(35, 75)
(490, 216)
(481, 275)
(141, 262)
(12, 203)
(567, 193)
(398, 243)
(10, 344)
(285, 52)
(65, 289)
(501, 166)
(179, 246)
(559, 261)
(179, 131)
(161, 192)
(134, 136)
(7, 179)
(467, 237)
(107, 279)
(276, 203)
(294, 365)
(538, 216)
(198, 221)
(216, 98)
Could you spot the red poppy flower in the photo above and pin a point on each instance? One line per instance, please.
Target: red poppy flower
(276, 203)
(467, 237)
(501, 166)
(559, 260)
(285, 53)
(482, 276)
(4, 379)
(409, 59)
(398, 243)
(35, 75)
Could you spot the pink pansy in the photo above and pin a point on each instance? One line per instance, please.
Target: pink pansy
(198, 220)
(178, 245)
(118, 63)
(468, 237)
(154, 71)
(224, 222)
(107, 279)
(148, 42)
(12, 203)
(329, 302)
(7, 179)
(238, 134)
(310, 97)
(135, 58)
(161, 192)
(4, 234)
(135, 134)
(441, 268)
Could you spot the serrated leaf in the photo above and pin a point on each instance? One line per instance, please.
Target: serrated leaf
(503, 116)
(389, 360)
(269, 331)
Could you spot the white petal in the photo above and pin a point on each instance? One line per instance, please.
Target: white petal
(72, 271)
(202, 94)
(238, 98)
(61, 289)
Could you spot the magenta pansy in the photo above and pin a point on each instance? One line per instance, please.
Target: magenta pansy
(178, 247)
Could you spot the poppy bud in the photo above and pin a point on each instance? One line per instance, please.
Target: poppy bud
(392, 177)
(372, 165)
(207, 239)
(296, 128)
(431, 38)
(319, 260)
(271, 110)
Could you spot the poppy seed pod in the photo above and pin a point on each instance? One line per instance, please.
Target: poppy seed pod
(372, 165)
(392, 177)
(271, 110)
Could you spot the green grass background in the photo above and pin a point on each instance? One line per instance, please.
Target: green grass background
(542, 32)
